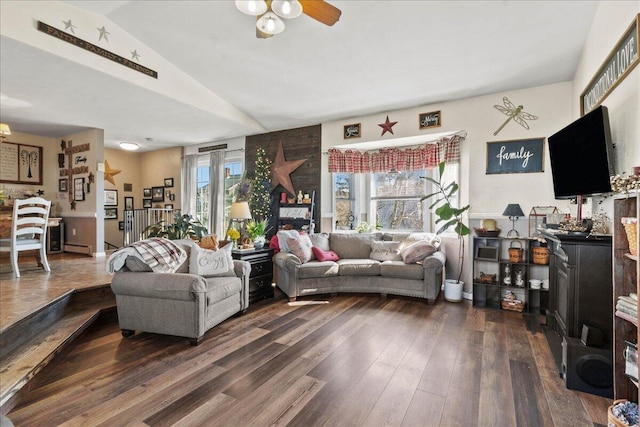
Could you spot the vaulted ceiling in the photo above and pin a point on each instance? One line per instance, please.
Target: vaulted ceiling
(380, 56)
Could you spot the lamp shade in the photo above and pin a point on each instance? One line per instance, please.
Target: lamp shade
(240, 210)
(252, 7)
(270, 23)
(287, 8)
(513, 210)
(4, 129)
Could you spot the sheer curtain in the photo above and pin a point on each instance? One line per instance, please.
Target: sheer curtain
(189, 183)
(216, 193)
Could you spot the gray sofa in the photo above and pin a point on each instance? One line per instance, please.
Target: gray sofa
(355, 271)
(179, 303)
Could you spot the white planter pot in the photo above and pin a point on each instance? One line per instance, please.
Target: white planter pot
(453, 290)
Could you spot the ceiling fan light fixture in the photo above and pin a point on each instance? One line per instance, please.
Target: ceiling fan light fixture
(287, 9)
(252, 7)
(269, 23)
(129, 146)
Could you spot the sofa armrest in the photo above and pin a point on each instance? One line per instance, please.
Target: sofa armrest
(243, 271)
(287, 261)
(176, 286)
(437, 260)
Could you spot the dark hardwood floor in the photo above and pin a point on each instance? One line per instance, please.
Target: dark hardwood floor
(359, 360)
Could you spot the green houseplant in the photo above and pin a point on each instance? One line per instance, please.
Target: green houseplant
(449, 216)
(183, 227)
(257, 230)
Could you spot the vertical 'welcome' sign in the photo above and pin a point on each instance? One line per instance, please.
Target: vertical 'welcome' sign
(519, 156)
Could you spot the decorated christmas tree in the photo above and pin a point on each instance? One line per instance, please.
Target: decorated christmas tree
(260, 202)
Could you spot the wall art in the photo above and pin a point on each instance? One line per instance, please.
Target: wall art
(516, 156)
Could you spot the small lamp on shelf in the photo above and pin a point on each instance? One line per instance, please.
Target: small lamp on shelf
(513, 211)
(239, 212)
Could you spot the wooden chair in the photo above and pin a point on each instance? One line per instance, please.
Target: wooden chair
(28, 230)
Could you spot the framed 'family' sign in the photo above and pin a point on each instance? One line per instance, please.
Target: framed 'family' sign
(518, 156)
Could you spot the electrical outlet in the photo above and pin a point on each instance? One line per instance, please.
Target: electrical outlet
(73, 231)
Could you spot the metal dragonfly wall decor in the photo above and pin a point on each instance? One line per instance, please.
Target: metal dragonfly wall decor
(514, 113)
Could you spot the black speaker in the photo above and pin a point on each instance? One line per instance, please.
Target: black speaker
(587, 369)
(591, 336)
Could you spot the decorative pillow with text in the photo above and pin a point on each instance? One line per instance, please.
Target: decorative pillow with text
(208, 263)
(385, 251)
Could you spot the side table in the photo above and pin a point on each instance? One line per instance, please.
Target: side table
(261, 275)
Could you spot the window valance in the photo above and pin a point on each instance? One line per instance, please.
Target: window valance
(429, 156)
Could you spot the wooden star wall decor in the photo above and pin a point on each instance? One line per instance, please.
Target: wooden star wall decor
(110, 173)
(387, 126)
(281, 171)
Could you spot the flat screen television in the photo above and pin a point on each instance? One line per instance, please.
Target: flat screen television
(582, 156)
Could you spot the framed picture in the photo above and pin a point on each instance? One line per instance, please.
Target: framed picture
(157, 194)
(110, 213)
(111, 197)
(168, 182)
(146, 192)
(146, 203)
(517, 156)
(21, 164)
(78, 189)
(62, 185)
(128, 187)
(128, 203)
(168, 206)
(120, 225)
(432, 119)
(351, 131)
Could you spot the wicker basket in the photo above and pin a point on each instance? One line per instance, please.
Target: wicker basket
(515, 254)
(540, 255)
(631, 229)
(612, 420)
(514, 305)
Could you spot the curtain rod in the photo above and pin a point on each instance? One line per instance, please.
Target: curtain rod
(462, 134)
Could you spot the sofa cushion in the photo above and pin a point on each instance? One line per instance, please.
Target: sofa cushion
(354, 246)
(207, 263)
(417, 251)
(319, 240)
(359, 267)
(385, 251)
(321, 255)
(219, 288)
(282, 237)
(316, 269)
(185, 244)
(400, 270)
(301, 247)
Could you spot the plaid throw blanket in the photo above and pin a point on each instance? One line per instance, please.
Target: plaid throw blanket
(161, 255)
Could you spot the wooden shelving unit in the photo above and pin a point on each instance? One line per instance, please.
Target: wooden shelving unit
(626, 270)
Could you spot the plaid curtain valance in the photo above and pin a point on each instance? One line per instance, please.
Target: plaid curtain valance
(429, 156)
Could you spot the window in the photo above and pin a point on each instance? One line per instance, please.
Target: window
(233, 175)
(395, 199)
(344, 201)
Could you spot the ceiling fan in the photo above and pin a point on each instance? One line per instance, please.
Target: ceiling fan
(269, 13)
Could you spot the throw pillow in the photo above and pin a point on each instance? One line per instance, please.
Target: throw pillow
(385, 251)
(301, 247)
(283, 235)
(207, 263)
(417, 252)
(324, 255)
(319, 240)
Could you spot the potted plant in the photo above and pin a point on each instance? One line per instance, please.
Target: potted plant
(257, 230)
(183, 227)
(449, 216)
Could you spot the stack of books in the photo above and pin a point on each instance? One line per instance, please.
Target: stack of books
(627, 307)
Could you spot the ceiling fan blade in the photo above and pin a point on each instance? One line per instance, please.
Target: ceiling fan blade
(321, 11)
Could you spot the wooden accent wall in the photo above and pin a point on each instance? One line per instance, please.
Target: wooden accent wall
(300, 143)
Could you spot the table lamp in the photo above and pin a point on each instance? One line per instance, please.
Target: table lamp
(513, 211)
(239, 212)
